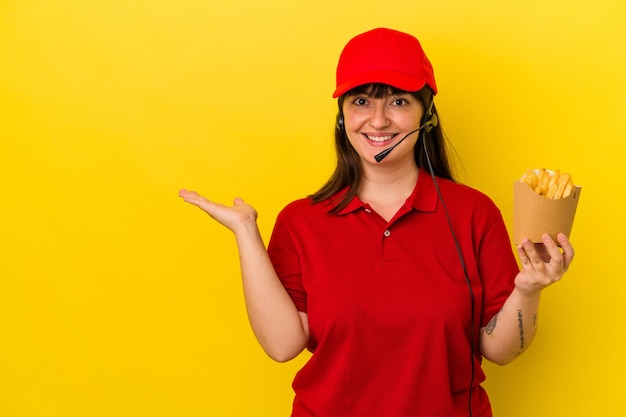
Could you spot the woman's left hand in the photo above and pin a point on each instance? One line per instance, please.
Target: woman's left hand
(543, 263)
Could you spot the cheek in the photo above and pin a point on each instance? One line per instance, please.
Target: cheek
(352, 140)
(352, 121)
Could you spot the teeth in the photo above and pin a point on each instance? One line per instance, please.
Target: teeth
(379, 138)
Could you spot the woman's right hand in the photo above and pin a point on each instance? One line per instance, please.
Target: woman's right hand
(232, 217)
(282, 331)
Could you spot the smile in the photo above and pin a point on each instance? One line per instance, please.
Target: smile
(379, 138)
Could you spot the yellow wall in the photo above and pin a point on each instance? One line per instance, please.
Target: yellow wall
(117, 299)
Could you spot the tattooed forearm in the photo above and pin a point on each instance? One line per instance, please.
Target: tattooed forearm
(492, 323)
(521, 329)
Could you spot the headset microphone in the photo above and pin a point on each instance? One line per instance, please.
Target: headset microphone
(432, 122)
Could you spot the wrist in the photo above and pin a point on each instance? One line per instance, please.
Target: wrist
(528, 293)
(246, 228)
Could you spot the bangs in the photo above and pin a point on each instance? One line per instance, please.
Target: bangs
(376, 90)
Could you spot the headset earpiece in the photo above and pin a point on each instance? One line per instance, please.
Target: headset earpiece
(339, 123)
(432, 122)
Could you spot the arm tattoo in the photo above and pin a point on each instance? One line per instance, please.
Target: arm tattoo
(492, 323)
(521, 329)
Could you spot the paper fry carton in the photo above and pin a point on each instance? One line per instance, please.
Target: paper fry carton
(534, 214)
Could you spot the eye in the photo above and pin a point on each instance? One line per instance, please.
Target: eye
(360, 101)
(399, 101)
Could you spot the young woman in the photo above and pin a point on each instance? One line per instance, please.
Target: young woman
(398, 279)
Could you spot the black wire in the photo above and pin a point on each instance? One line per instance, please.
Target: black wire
(467, 279)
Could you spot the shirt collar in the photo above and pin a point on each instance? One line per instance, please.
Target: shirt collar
(423, 198)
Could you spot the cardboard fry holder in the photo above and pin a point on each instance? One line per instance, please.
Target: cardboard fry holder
(534, 215)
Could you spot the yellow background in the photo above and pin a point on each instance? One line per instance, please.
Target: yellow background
(117, 299)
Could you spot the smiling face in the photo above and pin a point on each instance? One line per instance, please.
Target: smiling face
(378, 118)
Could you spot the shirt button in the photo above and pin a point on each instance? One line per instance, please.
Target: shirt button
(368, 211)
(387, 233)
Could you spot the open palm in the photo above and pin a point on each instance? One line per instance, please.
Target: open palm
(230, 216)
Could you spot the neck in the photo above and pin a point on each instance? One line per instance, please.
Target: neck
(392, 184)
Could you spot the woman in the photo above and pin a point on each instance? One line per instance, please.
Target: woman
(397, 279)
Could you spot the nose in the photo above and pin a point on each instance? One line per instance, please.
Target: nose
(379, 118)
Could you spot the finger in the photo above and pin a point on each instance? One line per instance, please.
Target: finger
(533, 254)
(186, 193)
(568, 249)
(528, 255)
(196, 199)
(193, 198)
(552, 248)
(523, 257)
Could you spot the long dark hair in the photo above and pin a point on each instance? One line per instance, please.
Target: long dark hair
(347, 173)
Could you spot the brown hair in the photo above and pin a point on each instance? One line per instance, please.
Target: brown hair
(347, 173)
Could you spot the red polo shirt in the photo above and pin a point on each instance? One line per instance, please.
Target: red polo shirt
(388, 303)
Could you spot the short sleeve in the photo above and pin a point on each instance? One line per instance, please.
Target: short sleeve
(497, 268)
(286, 261)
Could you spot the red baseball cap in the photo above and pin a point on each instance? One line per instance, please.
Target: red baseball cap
(384, 56)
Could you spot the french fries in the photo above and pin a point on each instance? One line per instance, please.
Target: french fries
(551, 184)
